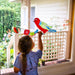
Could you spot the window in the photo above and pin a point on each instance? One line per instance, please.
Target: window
(56, 45)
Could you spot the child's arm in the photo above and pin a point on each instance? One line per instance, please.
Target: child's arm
(40, 45)
(16, 70)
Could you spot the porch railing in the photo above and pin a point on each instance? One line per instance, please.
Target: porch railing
(54, 45)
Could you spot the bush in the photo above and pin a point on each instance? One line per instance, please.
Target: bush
(2, 55)
(7, 20)
(9, 16)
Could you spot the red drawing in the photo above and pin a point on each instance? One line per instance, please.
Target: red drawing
(37, 22)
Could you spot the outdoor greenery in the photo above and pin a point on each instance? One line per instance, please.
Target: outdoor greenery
(3, 55)
(9, 17)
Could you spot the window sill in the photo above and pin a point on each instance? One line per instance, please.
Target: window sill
(53, 69)
(58, 69)
(7, 71)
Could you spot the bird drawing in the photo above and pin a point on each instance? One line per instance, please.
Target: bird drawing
(38, 24)
(43, 26)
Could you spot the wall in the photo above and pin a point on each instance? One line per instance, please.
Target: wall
(51, 11)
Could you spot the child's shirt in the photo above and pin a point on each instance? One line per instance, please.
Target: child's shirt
(32, 62)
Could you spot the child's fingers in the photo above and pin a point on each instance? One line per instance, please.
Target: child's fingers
(40, 33)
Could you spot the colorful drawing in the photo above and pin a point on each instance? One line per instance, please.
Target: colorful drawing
(32, 33)
(44, 27)
(36, 31)
(38, 24)
(51, 30)
(26, 32)
(15, 30)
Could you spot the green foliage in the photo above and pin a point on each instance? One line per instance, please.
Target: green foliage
(2, 55)
(11, 58)
(9, 16)
(11, 53)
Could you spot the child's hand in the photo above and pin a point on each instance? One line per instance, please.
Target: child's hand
(39, 34)
(40, 45)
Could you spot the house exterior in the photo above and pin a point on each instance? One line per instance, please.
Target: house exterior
(52, 12)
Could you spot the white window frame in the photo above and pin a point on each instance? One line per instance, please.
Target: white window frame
(62, 68)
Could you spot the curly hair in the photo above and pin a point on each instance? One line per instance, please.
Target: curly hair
(25, 46)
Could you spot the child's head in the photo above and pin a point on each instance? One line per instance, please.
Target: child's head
(25, 44)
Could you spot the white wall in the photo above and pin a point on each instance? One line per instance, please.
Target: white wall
(51, 11)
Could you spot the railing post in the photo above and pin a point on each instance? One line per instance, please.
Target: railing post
(8, 50)
(8, 57)
(68, 49)
(16, 38)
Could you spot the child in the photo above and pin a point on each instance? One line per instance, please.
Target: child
(27, 61)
